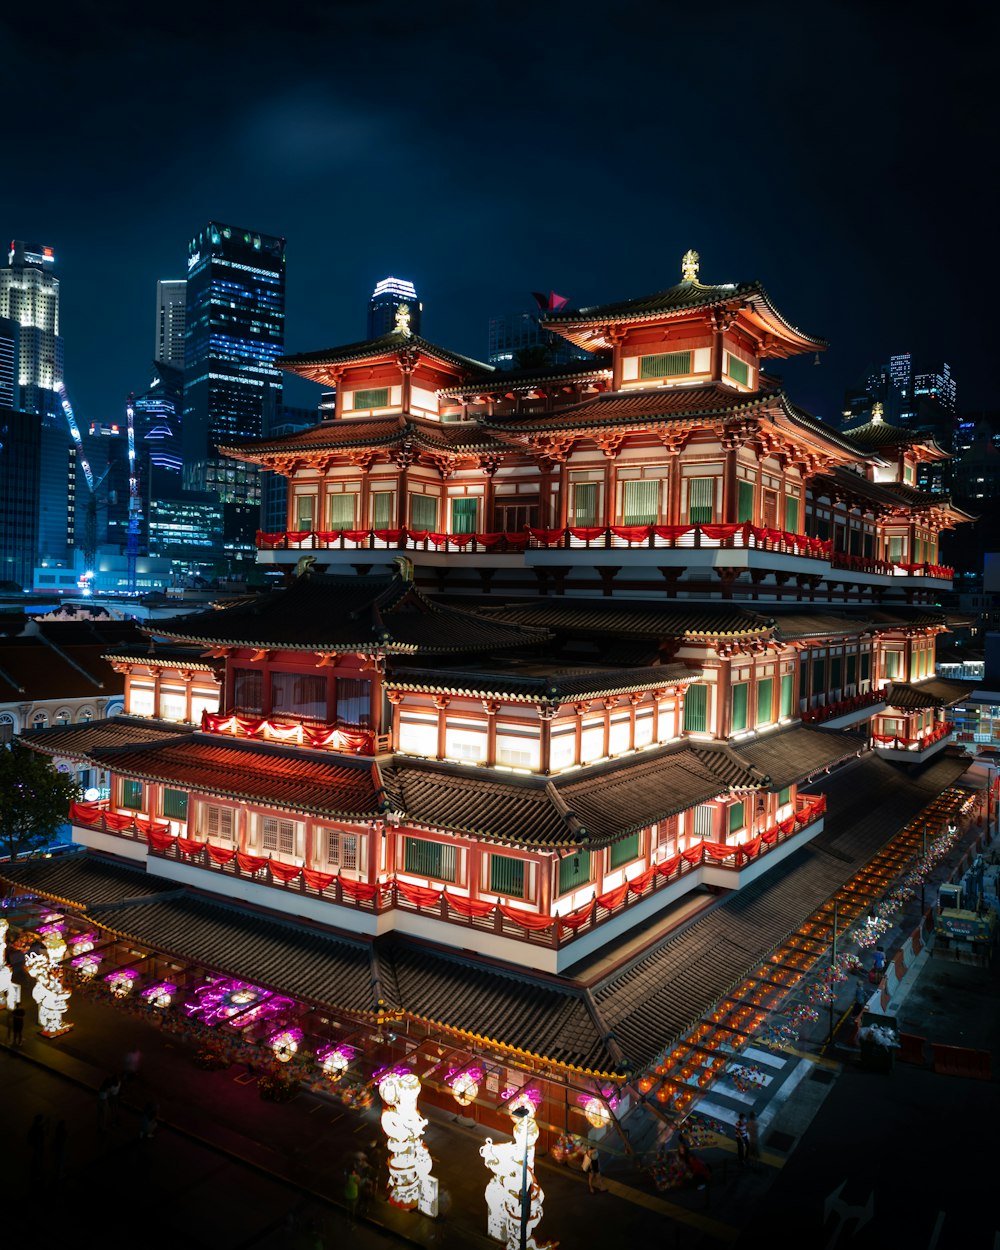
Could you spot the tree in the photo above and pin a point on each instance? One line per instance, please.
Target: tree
(34, 799)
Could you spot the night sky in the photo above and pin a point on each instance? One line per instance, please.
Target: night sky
(843, 154)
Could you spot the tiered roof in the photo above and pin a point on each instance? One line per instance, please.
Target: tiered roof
(321, 366)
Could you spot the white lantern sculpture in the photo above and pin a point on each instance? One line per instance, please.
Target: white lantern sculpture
(410, 1181)
(513, 1166)
(49, 993)
(6, 976)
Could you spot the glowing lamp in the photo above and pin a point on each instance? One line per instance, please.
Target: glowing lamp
(120, 983)
(160, 995)
(465, 1087)
(335, 1063)
(285, 1044)
(646, 1083)
(597, 1113)
(86, 966)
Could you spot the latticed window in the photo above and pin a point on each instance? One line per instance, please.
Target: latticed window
(507, 875)
(740, 702)
(341, 511)
(377, 397)
(342, 849)
(574, 871)
(132, 796)
(586, 497)
(381, 506)
(737, 817)
(429, 859)
(248, 690)
(787, 692)
(278, 835)
(696, 709)
(744, 501)
(464, 513)
(896, 548)
(665, 365)
(892, 663)
(701, 500)
(765, 701)
(704, 815)
(640, 502)
(737, 369)
(624, 851)
(305, 511)
(791, 514)
(175, 804)
(423, 513)
(219, 822)
(784, 796)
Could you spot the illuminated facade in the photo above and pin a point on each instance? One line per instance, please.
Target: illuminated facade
(171, 304)
(234, 333)
(389, 294)
(29, 295)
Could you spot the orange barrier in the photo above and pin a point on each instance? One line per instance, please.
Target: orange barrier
(911, 1048)
(960, 1061)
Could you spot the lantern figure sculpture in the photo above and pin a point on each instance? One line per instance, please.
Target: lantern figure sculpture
(410, 1181)
(6, 976)
(335, 1062)
(49, 993)
(465, 1086)
(285, 1045)
(513, 1167)
(86, 966)
(121, 981)
(160, 995)
(598, 1116)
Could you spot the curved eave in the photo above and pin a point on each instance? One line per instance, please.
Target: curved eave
(511, 428)
(807, 423)
(155, 661)
(325, 366)
(557, 699)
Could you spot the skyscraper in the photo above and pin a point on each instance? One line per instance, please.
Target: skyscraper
(518, 339)
(939, 386)
(234, 331)
(29, 296)
(171, 299)
(10, 345)
(20, 457)
(386, 298)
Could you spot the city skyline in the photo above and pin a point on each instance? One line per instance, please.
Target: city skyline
(832, 220)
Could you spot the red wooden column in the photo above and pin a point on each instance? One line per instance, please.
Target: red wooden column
(441, 702)
(730, 491)
(546, 715)
(491, 707)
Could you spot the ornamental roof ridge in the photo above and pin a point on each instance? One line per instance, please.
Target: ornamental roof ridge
(879, 433)
(597, 369)
(559, 688)
(367, 349)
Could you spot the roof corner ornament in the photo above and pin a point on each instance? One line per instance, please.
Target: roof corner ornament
(877, 410)
(402, 325)
(304, 566)
(689, 266)
(405, 566)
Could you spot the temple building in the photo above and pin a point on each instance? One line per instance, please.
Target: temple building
(560, 659)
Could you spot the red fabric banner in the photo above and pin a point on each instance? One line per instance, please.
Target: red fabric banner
(220, 854)
(317, 880)
(717, 850)
(187, 846)
(392, 537)
(283, 872)
(489, 540)
(356, 536)
(419, 895)
(527, 919)
(118, 821)
(576, 919)
(84, 813)
(614, 898)
(720, 533)
(361, 891)
(298, 536)
(418, 536)
(641, 882)
(587, 533)
(469, 906)
(548, 537)
(752, 848)
(693, 854)
(632, 533)
(152, 826)
(159, 841)
(672, 532)
(250, 863)
(668, 867)
(439, 540)
(329, 536)
(518, 539)
(461, 540)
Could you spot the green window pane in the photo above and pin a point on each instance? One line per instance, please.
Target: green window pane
(836, 666)
(787, 690)
(376, 398)
(765, 701)
(737, 817)
(737, 370)
(382, 511)
(625, 851)
(429, 859)
(341, 509)
(701, 500)
(866, 665)
(740, 699)
(704, 815)
(507, 875)
(175, 804)
(574, 871)
(585, 500)
(132, 796)
(640, 503)
(819, 676)
(665, 365)
(463, 515)
(423, 513)
(892, 664)
(852, 669)
(896, 549)
(791, 514)
(696, 709)
(784, 796)
(744, 501)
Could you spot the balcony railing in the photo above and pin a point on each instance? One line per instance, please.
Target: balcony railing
(340, 736)
(483, 915)
(842, 707)
(657, 537)
(897, 742)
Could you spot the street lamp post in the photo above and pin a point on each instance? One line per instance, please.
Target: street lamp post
(519, 1113)
(833, 962)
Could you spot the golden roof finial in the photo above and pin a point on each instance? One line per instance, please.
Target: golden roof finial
(689, 266)
(402, 325)
(877, 411)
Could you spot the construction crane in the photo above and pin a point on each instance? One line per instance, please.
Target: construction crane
(134, 500)
(74, 430)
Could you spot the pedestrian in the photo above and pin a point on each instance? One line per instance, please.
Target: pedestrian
(59, 1151)
(17, 1017)
(878, 960)
(147, 1125)
(742, 1139)
(352, 1188)
(103, 1104)
(592, 1167)
(860, 997)
(36, 1144)
(753, 1137)
(130, 1065)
